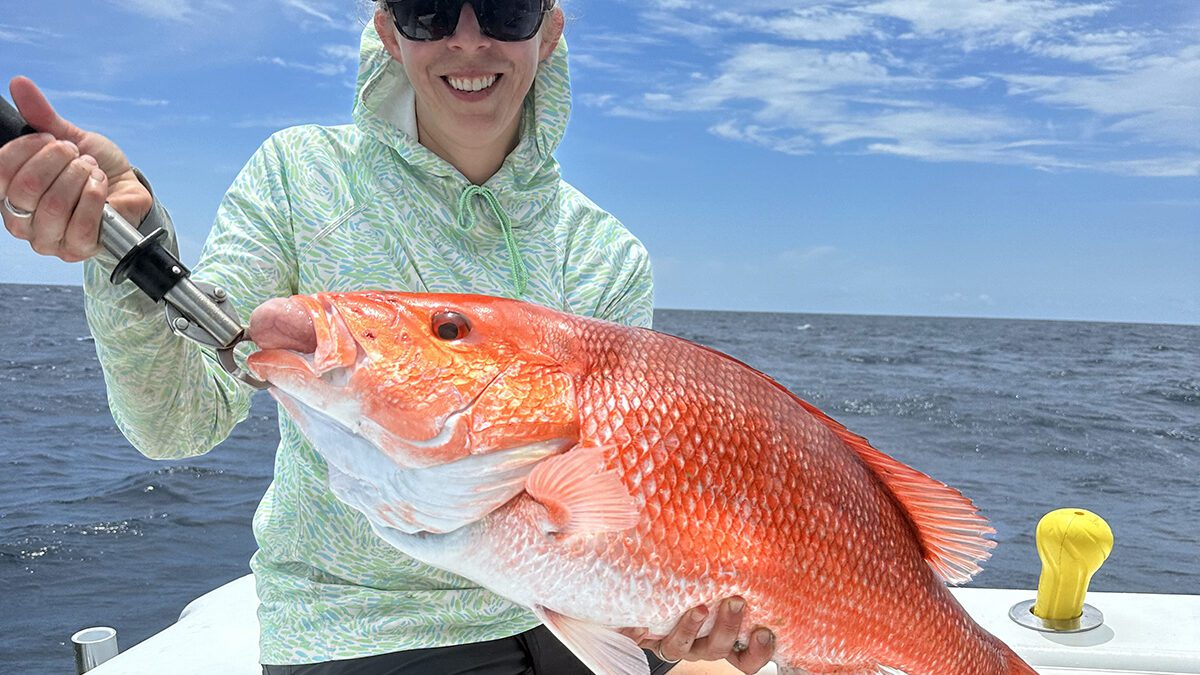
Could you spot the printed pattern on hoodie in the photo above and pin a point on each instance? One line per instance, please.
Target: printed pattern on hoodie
(355, 207)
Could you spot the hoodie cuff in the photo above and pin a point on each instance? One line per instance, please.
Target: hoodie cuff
(156, 218)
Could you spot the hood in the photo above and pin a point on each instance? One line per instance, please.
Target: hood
(385, 109)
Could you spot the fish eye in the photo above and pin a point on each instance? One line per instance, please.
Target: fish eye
(450, 325)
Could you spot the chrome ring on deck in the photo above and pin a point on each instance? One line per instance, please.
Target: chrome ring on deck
(1022, 613)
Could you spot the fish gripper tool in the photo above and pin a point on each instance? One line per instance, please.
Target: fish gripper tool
(194, 310)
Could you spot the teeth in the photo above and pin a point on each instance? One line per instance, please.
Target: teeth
(471, 83)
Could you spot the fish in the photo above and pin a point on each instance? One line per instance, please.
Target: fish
(609, 477)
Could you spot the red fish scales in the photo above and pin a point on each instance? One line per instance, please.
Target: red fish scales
(725, 464)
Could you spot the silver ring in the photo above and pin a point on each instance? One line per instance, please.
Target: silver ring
(659, 654)
(16, 211)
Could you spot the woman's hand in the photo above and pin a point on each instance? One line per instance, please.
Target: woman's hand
(61, 179)
(721, 643)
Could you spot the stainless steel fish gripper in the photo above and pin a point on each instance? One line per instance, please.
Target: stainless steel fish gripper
(197, 311)
(194, 310)
(211, 321)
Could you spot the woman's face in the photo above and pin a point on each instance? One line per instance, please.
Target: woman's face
(469, 87)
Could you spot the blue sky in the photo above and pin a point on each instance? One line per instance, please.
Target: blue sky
(1021, 158)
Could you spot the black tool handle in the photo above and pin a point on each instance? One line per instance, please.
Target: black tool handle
(11, 123)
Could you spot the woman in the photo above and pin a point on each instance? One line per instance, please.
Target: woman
(444, 183)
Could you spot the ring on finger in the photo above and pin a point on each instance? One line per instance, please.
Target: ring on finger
(659, 654)
(16, 211)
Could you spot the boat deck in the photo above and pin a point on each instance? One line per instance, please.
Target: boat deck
(1142, 633)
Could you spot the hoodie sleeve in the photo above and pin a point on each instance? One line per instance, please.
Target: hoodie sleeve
(167, 395)
(630, 299)
(606, 270)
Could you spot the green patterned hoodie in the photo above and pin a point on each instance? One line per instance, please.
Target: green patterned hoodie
(346, 208)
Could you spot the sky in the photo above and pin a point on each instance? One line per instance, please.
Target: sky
(989, 158)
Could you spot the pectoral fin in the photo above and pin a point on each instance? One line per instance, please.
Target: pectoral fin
(602, 649)
(580, 496)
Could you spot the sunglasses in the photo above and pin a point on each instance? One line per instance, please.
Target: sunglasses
(503, 20)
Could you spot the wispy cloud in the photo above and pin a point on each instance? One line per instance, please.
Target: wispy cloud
(282, 122)
(25, 35)
(1155, 98)
(101, 97)
(308, 10)
(334, 60)
(170, 10)
(919, 78)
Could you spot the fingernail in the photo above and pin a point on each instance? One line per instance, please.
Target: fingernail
(90, 160)
(74, 148)
(764, 637)
(98, 176)
(699, 613)
(45, 137)
(736, 605)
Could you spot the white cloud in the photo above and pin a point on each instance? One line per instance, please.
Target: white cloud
(343, 52)
(282, 122)
(596, 100)
(100, 97)
(805, 24)
(26, 35)
(981, 22)
(307, 9)
(338, 60)
(172, 10)
(918, 78)
(1156, 98)
(805, 257)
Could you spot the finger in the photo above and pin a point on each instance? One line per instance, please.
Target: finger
(38, 112)
(757, 654)
(14, 155)
(638, 635)
(37, 174)
(17, 227)
(679, 642)
(56, 207)
(719, 643)
(31, 181)
(82, 238)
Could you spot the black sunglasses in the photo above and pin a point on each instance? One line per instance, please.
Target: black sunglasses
(504, 20)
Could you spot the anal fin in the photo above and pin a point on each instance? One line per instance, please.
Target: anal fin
(602, 649)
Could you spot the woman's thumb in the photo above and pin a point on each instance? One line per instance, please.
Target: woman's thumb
(38, 112)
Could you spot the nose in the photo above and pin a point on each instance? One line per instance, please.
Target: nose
(467, 35)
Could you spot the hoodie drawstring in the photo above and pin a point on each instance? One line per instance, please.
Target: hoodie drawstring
(466, 220)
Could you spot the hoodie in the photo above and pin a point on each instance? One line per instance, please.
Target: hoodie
(345, 208)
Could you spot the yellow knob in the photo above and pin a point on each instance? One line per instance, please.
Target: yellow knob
(1073, 544)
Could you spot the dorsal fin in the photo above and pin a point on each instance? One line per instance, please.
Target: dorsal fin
(948, 524)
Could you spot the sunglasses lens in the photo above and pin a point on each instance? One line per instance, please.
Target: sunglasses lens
(426, 19)
(510, 20)
(504, 20)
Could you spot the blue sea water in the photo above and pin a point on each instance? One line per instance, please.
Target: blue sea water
(1021, 416)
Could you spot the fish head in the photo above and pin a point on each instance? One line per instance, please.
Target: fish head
(427, 379)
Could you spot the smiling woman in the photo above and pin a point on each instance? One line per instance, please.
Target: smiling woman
(445, 182)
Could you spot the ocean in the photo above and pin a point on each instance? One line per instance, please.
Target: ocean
(1021, 416)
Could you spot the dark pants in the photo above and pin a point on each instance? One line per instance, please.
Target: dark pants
(534, 652)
